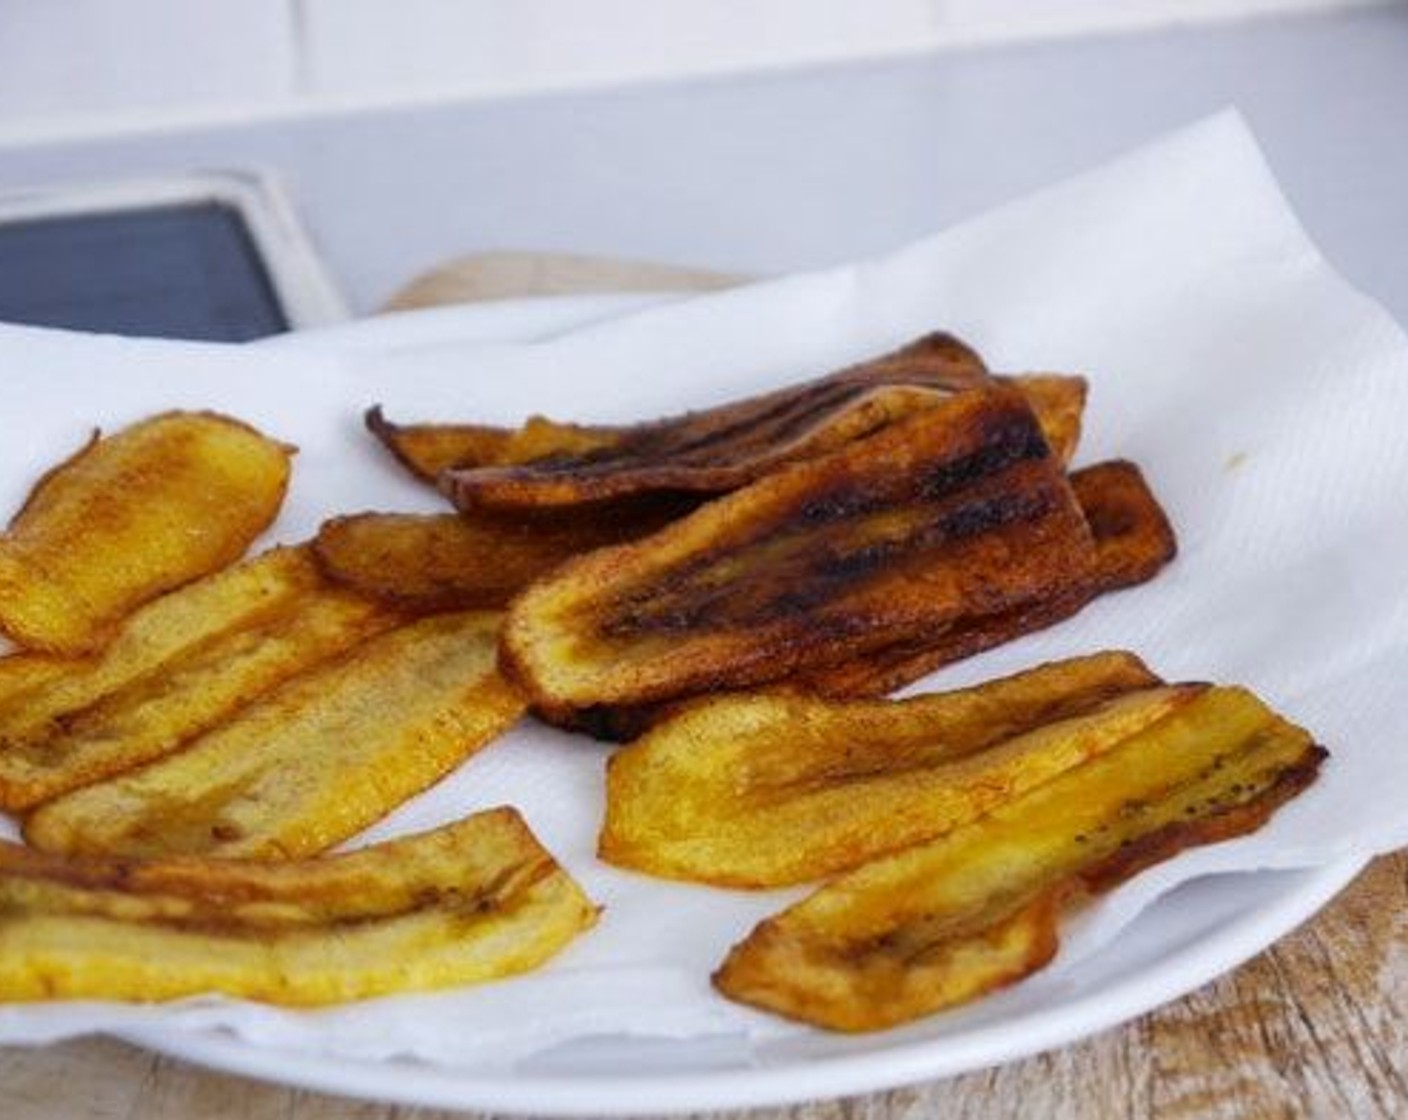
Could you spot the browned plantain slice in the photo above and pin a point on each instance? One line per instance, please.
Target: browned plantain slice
(473, 901)
(428, 562)
(1133, 542)
(310, 764)
(427, 449)
(1058, 400)
(958, 510)
(948, 920)
(1133, 537)
(179, 665)
(770, 789)
(547, 463)
(554, 466)
(129, 517)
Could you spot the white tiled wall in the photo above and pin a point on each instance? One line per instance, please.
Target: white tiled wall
(64, 57)
(74, 67)
(356, 47)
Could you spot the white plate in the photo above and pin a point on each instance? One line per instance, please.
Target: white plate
(1184, 940)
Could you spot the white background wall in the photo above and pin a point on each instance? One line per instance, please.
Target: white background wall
(78, 67)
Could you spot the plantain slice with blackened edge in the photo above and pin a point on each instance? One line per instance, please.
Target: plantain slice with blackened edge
(435, 562)
(954, 918)
(311, 763)
(179, 666)
(1133, 543)
(129, 517)
(1058, 399)
(770, 789)
(470, 902)
(607, 466)
(551, 464)
(958, 510)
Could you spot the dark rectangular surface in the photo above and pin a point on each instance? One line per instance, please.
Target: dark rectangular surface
(186, 271)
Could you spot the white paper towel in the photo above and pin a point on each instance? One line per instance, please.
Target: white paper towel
(1264, 398)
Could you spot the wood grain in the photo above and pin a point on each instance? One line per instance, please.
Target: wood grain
(486, 276)
(1316, 1026)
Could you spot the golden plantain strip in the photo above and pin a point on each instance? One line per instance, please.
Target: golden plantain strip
(772, 789)
(456, 561)
(179, 666)
(37, 689)
(310, 764)
(950, 919)
(23, 673)
(1133, 542)
(958, 510)
(473, 901)
(129, 517)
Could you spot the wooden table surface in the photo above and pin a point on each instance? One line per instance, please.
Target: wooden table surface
(1316, 1026)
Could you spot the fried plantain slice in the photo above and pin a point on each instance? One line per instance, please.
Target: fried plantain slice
(958, 510)
(551, 464)
(430, 562)
(131, 516)
(22, 673)
(950, 919)
(472, 901)
(1133, 537)
(1058, 400)
(179, 666)
(38, 688)
(311, 763)
(427, 449)
(1133, 542)
(771, 789)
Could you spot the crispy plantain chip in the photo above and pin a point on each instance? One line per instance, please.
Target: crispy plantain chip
(311, 763)
(554, 466)
(551, 464)
(950, 919)
(469, 902)
(703, 464)
(1133, 537)
(129, 517)
(1058, 400)
(178, 666)
(430, 562)
(770, 789)
(1133, 542)
(427, 449)
(958, 510)
(548, 464)
(22, 673)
